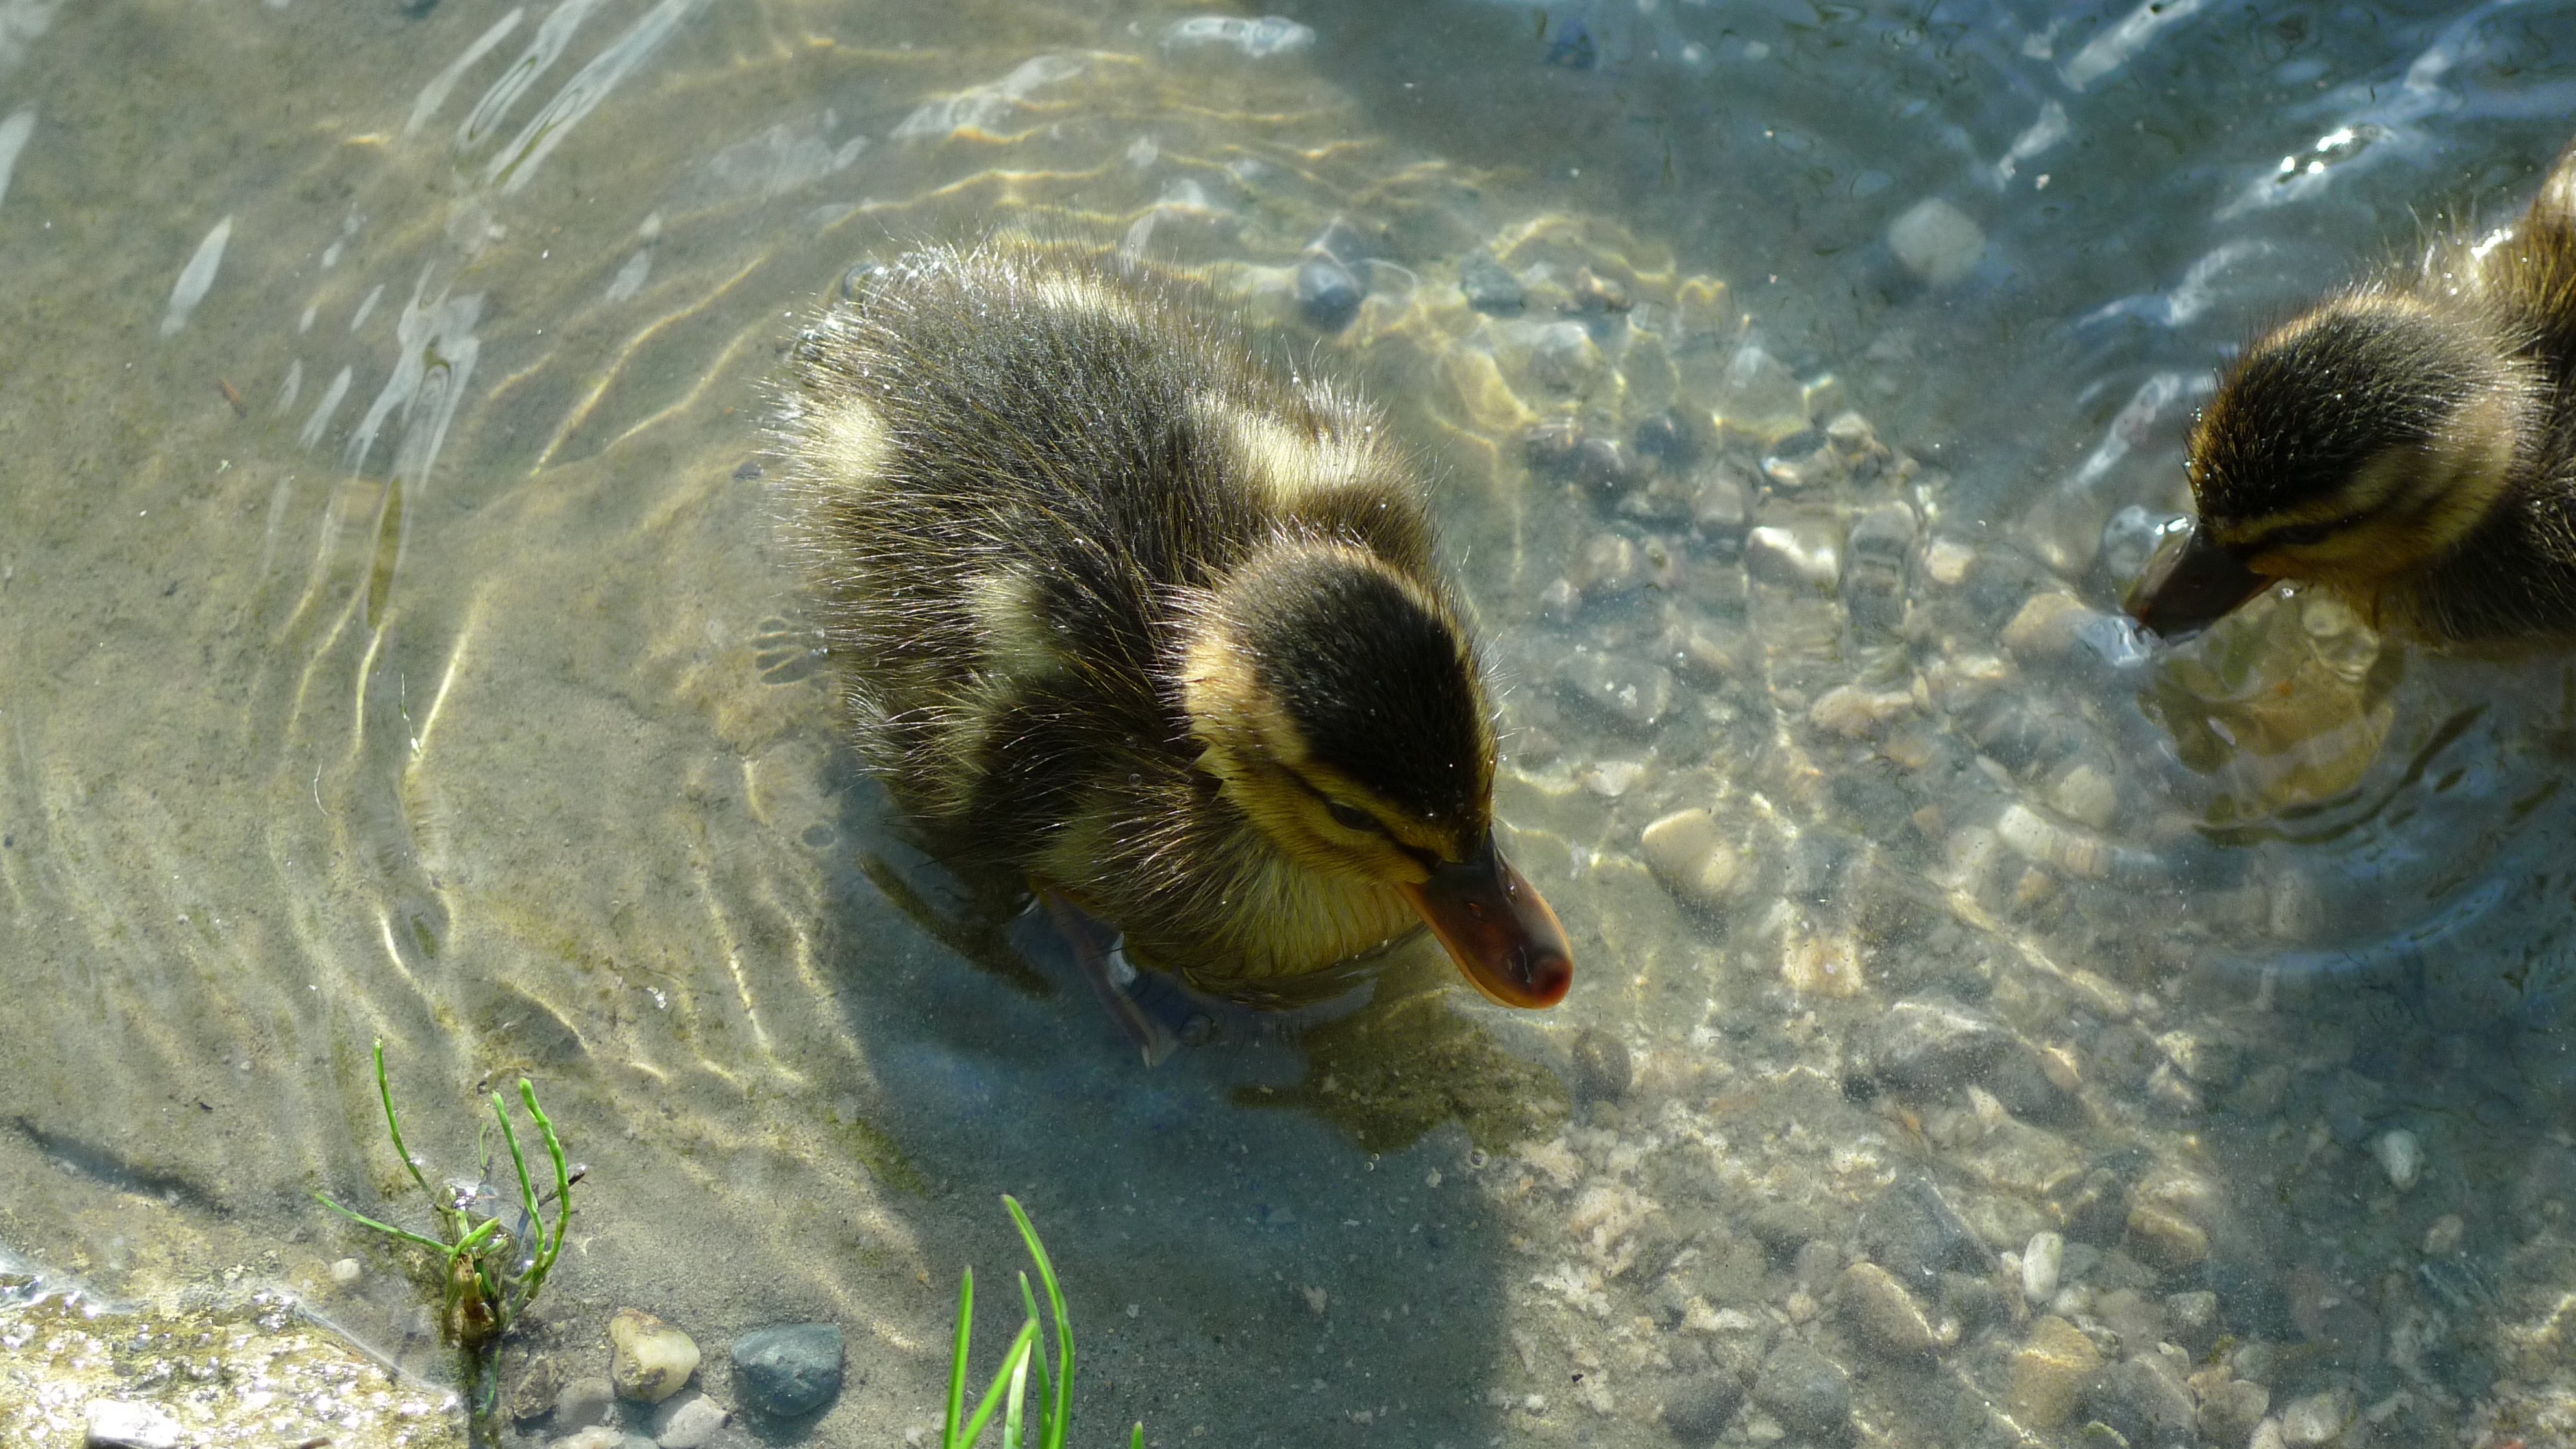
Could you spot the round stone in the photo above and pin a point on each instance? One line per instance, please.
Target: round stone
(789, 1370)
(650, 1359)
(1327, 293)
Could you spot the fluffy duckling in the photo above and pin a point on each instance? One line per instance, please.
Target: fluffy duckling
(2409, 443)
(1134, 616)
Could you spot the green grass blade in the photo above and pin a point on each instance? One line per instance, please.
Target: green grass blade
(1012, 1419)
(393, 1125)
(519, 1160)
(1063, 1405)
(1029, 1303)
(1139, 1441)
(563, 1183)
(1013, 1365)
(957, 1362)
(386, 1228)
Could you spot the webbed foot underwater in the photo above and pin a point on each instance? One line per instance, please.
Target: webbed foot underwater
(1128, 612)
(2409, 443)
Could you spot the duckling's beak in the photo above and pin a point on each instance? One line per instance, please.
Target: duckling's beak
(2190, 584)
(1497, 929)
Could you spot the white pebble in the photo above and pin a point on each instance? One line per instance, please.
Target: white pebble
(346, 1271)
(2442, 1239)
(1686, 852)
(2400, 1156)
(1777, 554)
(122, 1425)
(2316, 1419)
(1936, 241)
(2040, 1265)
(692, 1425)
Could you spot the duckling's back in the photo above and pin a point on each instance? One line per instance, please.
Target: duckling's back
(1018, 469)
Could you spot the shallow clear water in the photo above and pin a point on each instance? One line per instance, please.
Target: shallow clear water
(396, 644)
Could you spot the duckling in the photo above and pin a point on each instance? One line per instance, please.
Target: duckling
(1134, 616)
(2408, 443)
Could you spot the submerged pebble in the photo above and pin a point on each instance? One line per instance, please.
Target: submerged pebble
(583, 1402)
(1602, 1066)
(1634, 693)
(789, 1370)
(1489, 287)
(1804, 1389)
(1936, 241)
(1887, 1316)
(690, 1423)
(2041, 1261)
(1685, 851)
(2049, 1372)
(2401, 1156)
(1781, 556)
(1328, 295)
(650, 1359)
(2144, 1399)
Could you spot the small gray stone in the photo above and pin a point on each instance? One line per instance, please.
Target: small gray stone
(538, 1387)
(1550, 445)
(2229, 1411)
(1564, 358)
(1804, 1389)
(1912, 1231)
(1696, 1410)
(790, 1370)
(1327, 293)
(2316, 1419)
(689, 1423)
(1602, 1069)
(1932, 1045)
(1876, 551)
(584, 1402)
(1489, 287)
(1887, 1316)
(2143, 1399)
(2192, 1320)
(1635, 694)
(1606, 466)
(1718, 506)
(1666, 437)
(1782, 1228)
(1606, 566)
(1783, 556)
(1974, 1301)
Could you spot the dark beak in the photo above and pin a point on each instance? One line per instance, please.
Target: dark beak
(1497, 929)
(2190, 584)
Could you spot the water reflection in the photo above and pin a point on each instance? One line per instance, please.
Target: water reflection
(451, 693)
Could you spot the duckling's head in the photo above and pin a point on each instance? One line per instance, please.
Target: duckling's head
(1340, 707)
(2355, 447)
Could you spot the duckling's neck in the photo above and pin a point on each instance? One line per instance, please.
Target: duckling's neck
(2512, 578)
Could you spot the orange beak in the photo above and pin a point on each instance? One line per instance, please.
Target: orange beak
(1498, 930)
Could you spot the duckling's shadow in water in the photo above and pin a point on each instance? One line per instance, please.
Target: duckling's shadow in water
(1296, 1227)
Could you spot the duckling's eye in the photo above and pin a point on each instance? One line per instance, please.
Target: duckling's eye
(1350, 817)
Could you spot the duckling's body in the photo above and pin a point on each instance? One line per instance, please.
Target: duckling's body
(1129, 614)
(2409, 443)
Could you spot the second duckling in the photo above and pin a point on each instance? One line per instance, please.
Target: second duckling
(2409, 443)
(1135, 615)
